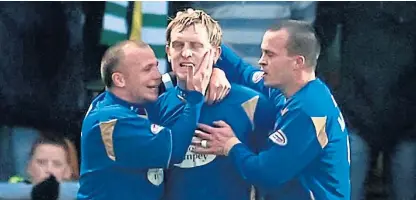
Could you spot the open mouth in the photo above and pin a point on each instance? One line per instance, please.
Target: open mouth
(154, 88)
(186, 65)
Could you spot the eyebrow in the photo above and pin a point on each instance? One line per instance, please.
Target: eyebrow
(182, 41)
(152, 64)
(267, 51)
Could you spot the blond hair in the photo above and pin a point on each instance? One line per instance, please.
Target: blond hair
(191, 17)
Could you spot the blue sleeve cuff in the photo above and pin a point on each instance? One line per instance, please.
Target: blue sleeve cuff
(238, 150)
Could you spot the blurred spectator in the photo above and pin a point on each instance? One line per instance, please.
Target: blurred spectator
(41, 77)
(54, 156)
(244, 22)
(49, 156)
(374, 86)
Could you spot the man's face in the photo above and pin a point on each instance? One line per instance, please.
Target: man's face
(139, 69)
(188, 47)
(277, 65)
(49, 159)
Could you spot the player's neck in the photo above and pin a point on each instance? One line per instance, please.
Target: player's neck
(298, 83)
(181, 84)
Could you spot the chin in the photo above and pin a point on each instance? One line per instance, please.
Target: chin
(180, 76)
(270, 84)
(152, 98)
(267, 83)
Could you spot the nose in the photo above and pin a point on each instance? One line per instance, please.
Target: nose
(262, 62)
(186, 53)
(156, 74)
(48, 168)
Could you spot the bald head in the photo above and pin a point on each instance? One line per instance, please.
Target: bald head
(113, 56)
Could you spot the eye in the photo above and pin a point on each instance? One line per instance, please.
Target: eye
(57, 163)
(147, 68)
(197, 45)
(151, 66)
(42, 161)
(177, 45)
(268, 53)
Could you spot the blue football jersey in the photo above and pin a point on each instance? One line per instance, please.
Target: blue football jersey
(208, 177)
(307, 155)
(123, 154)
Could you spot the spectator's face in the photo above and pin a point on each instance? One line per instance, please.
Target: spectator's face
(278, 66)
(49, 159)
(140, 74)
(187, 48)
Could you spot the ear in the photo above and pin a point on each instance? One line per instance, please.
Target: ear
(217, 54)
(118, 79)
(167, 48)
(300, 62)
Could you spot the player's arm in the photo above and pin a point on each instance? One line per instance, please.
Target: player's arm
(136, 142)
(299, 141)
(240, 72)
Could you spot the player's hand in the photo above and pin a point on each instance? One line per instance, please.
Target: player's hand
(218, 87)
(198, 80)
(216, 140)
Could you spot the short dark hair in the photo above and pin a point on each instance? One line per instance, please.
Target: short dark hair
(302, 39)
(52, 140)
(112, 58)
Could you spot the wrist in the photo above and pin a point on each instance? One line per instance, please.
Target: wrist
(230, 144)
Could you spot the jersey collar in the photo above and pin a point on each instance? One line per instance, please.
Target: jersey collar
(138, 108)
